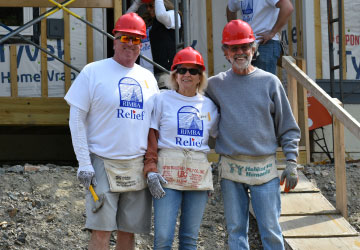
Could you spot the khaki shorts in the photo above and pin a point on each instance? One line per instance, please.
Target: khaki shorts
(127, 212)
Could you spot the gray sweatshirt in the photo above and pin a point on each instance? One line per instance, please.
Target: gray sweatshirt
(255, 115)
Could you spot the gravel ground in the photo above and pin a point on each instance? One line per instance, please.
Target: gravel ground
(42, 207)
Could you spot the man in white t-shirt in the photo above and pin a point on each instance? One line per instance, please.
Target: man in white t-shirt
(110, 109)
(266, 18)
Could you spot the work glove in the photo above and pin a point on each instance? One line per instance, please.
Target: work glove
(86, 176)
(291, 176)
(154, 181)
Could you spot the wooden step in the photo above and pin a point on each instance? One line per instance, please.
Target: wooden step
(316, 226)
(345, 243)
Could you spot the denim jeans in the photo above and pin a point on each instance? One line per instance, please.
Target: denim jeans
(266, 203)
(269, 53)
(166, 209)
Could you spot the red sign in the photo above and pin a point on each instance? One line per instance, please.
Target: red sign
(318, 116)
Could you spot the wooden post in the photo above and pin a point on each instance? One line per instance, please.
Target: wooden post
(44, 65)
(13, 71)
(340, 166)
(303, 112)
(299, 29)
(209, 32)
(318, 41)
(89, 36)
(117, 9)
(292, 95)
(67, 56)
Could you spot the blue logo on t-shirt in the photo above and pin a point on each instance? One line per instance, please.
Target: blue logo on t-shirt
(131, 96)
(130, 93)
(189, 122)
(247, 10)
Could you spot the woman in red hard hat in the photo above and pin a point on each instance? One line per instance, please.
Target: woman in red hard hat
(178, 172)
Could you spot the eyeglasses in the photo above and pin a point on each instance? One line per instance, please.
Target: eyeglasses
(126, 39)
(182, 71)
(243, 47)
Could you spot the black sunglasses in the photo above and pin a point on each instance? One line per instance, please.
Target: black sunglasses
(182, 71)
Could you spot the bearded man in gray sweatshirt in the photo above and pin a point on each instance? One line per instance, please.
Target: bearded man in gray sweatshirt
(255, 119)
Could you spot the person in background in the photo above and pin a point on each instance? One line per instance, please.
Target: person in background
(266, 18)
(255, 119)
(110, 110)
(179, 174)
(161, 34)
(145, 47)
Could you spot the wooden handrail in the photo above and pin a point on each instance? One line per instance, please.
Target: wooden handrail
(331, 105)
(341, 118)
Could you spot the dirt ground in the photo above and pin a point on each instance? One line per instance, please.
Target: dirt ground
(42, 208)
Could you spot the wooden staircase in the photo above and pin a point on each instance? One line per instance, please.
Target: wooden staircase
(310, 222)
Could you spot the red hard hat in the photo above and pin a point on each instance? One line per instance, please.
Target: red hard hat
(147, 1)
(237, 32)
(131, 23)
(188, 55)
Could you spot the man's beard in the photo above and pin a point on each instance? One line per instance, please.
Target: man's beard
(241, 65)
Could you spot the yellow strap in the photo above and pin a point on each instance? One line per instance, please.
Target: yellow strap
(60, 6)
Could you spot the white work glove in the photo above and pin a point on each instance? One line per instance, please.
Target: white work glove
(86, 176)
(291, 176)
(154, 181)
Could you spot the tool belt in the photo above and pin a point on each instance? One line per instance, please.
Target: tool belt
(125, 175)
(185, 169)
(251, 170)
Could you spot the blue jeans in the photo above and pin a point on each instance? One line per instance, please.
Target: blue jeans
(269, 54)
(166, 209)
(265, 201)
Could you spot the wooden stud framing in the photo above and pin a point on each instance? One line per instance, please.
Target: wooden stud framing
(318, 41)
(44, 64)
(117, 9)
(89, 37)
(343, 49)
(292, 95)
(67, 55)
(299, 29)
(303, 112)
(209, 32)
(33, 111)
(289, 28)
(13, 71)
(340, 166)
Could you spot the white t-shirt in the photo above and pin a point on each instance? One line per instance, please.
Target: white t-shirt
(260, 14)
(184, 122)
(119, 102)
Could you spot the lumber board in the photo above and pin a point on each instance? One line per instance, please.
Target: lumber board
(44, 62)
(340, 167)
(67, 50)
(13, 71)
(332, 106)
(316, 226)
(33, 111)
(209, 32)
(304, 185)
(46, 3)
(305, 204)
(325, 243)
